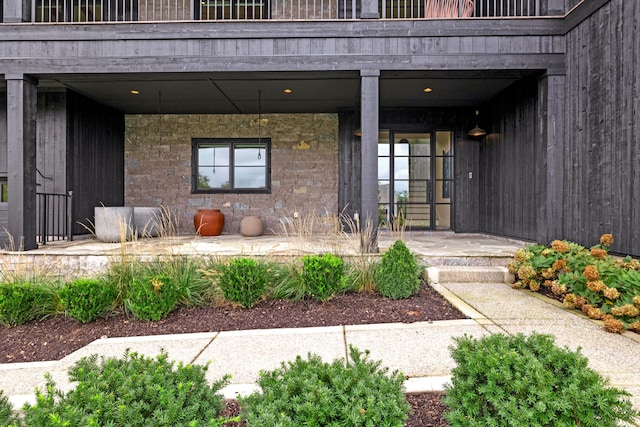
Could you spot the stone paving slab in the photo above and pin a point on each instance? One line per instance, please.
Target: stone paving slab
(244, 353)
(416, 349)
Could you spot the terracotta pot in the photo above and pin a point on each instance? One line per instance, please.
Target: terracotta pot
(208, 222)
(251, 226)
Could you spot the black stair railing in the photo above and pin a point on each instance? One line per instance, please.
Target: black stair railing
(54, 217)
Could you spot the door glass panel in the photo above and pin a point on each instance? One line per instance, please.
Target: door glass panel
(444, 179)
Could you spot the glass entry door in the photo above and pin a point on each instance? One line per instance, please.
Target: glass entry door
(415, 180)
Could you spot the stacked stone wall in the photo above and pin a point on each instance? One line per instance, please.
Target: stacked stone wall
(304, 166)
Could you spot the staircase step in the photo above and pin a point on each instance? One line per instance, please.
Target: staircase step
(468, 274)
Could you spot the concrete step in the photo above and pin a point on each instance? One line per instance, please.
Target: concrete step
(468, 274)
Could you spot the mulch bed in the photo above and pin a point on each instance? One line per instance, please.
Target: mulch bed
(57, 336)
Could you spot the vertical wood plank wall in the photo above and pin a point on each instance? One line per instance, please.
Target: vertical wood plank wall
(602, 176)
(508, 164)
(51, 144)
(95, 156)
(4, 215)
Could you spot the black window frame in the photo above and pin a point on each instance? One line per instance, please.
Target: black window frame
(231, 142)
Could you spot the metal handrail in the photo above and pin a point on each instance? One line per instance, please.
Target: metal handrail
(54, 213)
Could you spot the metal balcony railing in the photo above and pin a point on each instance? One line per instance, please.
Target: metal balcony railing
(306, 10)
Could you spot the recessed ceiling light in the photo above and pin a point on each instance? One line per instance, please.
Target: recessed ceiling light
(135, 92)
(427, 90)
(287, 90)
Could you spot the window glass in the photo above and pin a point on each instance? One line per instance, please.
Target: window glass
(231, 165)
(4, 190)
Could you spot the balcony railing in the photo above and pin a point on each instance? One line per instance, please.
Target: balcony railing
(307, 10)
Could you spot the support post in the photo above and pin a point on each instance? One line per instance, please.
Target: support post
(369, 9)
(15, 11)
(552, 137)
(22, 97)
(369, 122)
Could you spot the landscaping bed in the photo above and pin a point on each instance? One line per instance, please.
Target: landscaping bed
(56, 336)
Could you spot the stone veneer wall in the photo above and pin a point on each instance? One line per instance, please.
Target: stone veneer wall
(304, 166)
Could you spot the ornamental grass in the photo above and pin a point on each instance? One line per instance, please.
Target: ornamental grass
(604, 287)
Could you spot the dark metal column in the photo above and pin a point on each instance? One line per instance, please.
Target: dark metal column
(552, 135)
(22, 97)
(369, 101)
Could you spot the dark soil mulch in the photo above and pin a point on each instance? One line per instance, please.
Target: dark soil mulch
(58, 336)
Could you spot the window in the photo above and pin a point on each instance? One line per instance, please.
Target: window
(4, 190)
(231, 165)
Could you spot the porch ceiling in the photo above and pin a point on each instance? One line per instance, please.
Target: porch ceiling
(227, 93)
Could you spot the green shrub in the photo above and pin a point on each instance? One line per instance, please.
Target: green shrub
(23, 302)
(87, 299)
(311, 392)
(132, 391)
(518, 381)
(8, 417)
(323, 276)
(152, 297)
(398, 274)
(243, 280)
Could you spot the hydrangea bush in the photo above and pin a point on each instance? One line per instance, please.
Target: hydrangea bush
(604, 287)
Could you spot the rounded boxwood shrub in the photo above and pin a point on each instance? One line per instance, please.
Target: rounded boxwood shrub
(243, 280)
(398, 274)
(23, 302)
(314, 393)
(323, 276)
(87, 299)
(130, 391)
(518, 381)
(152, 297)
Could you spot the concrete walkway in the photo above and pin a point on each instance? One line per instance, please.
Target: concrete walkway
(419, 350)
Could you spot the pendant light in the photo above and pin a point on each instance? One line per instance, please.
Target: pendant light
(477, 131)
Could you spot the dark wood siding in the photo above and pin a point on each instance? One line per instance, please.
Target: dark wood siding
(96, 157)
(509, 167)
(51, 144)
(602, 178)
(467, 189)
(4, 219)
(349, 169)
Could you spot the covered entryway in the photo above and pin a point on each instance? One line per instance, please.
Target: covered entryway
(415, 179)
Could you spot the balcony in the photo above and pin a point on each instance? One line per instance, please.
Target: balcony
(86, 11)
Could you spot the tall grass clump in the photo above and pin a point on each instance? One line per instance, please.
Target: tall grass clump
(398, 274)
(310, 392)
(186, 275)
(87, 299)
(518, 381)
(131, 391)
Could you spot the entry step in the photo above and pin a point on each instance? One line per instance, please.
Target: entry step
(468, 274)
